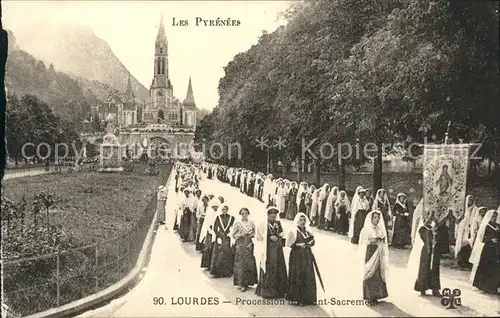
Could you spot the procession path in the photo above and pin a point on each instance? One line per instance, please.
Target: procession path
(11, 173)
(174, 271)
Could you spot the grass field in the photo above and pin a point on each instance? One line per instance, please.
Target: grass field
(91, 206)
(97, 227)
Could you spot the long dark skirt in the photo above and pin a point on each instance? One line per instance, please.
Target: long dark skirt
(301, 279)
(222, 264)
(342, 224)
(374, 288)
(308, 211)
(176, 224)
(464, 256)
(359, 222)
(402, 232)
(160, 207)
(185, 225)
(332, 224)
(428, 274)
(443, 239)
(321, 215)
(199, 246)
(206, 257)
(193, 225)
(302, 206)
(292, 208)
(487, 276)
(273, 283)
(245, 269)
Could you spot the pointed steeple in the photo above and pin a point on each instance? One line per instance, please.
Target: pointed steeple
(189, 101)
(129, 93)
(161, 37)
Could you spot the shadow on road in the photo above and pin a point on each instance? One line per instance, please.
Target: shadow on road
(386, 309)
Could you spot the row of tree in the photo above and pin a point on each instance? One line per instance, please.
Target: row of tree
(364, 71)
(30, 123)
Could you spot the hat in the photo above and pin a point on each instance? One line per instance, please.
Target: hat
(272, 210)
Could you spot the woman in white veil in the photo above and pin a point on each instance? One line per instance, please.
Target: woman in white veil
(463, 245)
(417, 216)
(485, 273)
(425, 268)
(382, 203)
(354, 204)
(270, 257)
(301, 280)
(330, 215)
(322, 203)
(374, 250)
(342, 208)
(314, 204)
(207, 234)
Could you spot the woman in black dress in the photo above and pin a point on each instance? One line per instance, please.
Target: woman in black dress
(301, 278)
(206, 234)
(402, 223)
(272, 266)
(485, 255)
(222, 264)
(342, 210)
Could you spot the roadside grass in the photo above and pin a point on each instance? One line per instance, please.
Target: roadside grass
(94, 235)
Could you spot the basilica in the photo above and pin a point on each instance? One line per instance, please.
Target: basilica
(162, 120)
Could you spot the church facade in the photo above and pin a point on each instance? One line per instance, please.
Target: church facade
(163, 121)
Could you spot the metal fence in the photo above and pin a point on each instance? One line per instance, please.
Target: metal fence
(35, 284)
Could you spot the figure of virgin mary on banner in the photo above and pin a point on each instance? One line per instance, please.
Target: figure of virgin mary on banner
(445, 179)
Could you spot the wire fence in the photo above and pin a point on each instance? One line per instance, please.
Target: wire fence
(36, 284)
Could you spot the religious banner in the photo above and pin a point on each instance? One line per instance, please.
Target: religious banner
(445, 179)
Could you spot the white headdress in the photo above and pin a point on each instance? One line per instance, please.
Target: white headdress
(385, 199)
(381, 256)
(417, 216)
(477, 250)
(209, 218)
(261, 240)
(354, 209)
(332, 197)
(464, 228)
(292, 235)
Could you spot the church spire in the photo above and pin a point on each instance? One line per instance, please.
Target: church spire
(161, 37)
(129, 93)
(189, 96)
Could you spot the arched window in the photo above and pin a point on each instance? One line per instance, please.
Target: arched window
(161, 115)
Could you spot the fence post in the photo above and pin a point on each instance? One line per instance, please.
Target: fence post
(58, 278)
(129, 255)
(117, 258)
(97, 267)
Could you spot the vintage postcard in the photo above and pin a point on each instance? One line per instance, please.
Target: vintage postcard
(317, 158)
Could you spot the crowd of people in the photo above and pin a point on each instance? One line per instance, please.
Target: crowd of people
(251, 249)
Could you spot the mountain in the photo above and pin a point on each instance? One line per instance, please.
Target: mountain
(77, 51)
(27, 75)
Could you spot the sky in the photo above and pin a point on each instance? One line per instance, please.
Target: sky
(197, 51)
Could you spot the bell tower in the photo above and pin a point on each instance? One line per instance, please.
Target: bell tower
(161, 90)
(161, 54)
